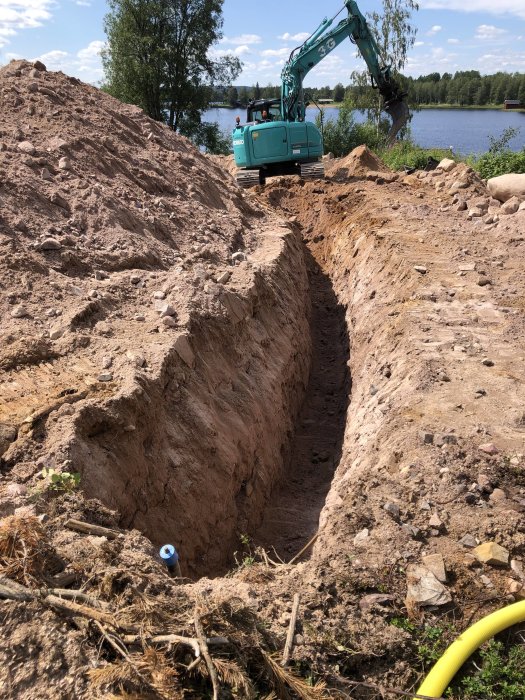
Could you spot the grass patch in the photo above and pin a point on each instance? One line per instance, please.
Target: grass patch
(407, 154)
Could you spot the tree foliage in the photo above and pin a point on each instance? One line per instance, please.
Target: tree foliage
(158, 57)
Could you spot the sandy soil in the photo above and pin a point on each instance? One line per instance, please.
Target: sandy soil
(236, 372)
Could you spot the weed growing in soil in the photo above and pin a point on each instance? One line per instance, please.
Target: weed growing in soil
(60, 481)
(500, 160)
(429, 641)
(498, 674)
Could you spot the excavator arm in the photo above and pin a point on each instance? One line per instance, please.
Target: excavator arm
(319, 45)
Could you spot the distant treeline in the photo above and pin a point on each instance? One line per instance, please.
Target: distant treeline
(464, 88)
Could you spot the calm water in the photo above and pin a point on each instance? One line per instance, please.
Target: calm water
(466, 130)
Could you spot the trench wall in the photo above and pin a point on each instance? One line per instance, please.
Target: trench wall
(189, 456)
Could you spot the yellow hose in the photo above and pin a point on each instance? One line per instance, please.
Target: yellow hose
(466, 644)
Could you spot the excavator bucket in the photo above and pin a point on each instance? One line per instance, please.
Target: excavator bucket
(398, 111)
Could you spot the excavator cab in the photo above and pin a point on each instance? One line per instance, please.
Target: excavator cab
(263, 110)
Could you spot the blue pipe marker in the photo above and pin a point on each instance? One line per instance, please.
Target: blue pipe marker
(170, 557)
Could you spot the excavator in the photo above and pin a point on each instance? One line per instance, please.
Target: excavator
(276, 139)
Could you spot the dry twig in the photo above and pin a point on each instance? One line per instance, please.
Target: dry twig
(288, 647)
(206, 654)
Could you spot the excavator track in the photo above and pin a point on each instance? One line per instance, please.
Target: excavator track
(312, 171)
(247, 178)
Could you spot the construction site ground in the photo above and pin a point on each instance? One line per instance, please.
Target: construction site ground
(329, 369)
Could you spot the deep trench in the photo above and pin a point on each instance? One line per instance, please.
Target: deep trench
(291, 517)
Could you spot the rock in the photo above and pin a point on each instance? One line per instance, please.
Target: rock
(484, 281)
(517, 567)
(49, 244)
(139, 317)
(225, 277)
(166, 310)
(492, 553)
(57, 199)
(184, 351)
(484, 483)
(486, 581)
(16, 490)
(468, 541)
(101, 275)
(45, 174)
(159, 295)
(105, 377)
(489, 448)
(487, 362)
(169, 322)
(436, 522)
(421, 269)
(27, 148)
(426, 438)
(436, 564)
(424, 588)
(19, 311)
(511, 206)
(522, 206)
(447, 439)
(7, 436)
(393, 510)
(64, 163)
(467, 267)
(447, 164)
(475, 212)
(411, 530)
(239, 256)
(137, 359)
(361, 536)
(56, 332)
(373, 599)
(39, 66)
(461, 206)
(504, 187)
(498, 495)
(106, 362)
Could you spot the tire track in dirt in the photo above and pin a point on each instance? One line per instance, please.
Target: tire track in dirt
(291, 517)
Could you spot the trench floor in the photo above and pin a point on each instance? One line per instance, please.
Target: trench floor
(291, 517)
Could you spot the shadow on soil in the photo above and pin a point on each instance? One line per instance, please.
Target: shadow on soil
(291, 517)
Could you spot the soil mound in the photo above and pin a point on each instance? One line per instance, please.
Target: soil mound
(358, 163)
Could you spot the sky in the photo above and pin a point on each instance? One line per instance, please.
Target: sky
(484, 35)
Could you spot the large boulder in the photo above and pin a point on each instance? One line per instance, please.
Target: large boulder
(506, 186)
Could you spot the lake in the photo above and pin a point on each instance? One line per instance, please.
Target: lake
(466, 130)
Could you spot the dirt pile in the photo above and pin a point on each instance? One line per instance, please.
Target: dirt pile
(360, 162)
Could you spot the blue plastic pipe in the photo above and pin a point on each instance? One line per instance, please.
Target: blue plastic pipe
(170, 557)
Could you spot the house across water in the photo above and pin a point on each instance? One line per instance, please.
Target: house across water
(512, 104)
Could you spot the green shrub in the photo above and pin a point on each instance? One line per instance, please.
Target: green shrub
(407, 154)
(342, 135)
(499, 160)
(500, 674)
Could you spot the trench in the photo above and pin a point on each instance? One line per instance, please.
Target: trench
(247, 438)
(291, 517)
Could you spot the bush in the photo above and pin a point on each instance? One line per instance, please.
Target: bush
(500, 160)
(500, 674)
(407, 154)
(343, 134)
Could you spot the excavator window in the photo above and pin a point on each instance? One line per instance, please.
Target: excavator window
(264, 113)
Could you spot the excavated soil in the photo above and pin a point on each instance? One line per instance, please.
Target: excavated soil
(237, 373)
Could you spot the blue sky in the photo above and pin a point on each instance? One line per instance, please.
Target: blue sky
(486, 35)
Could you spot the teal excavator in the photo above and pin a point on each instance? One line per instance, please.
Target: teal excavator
(276, 139)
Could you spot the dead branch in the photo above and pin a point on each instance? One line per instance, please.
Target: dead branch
(206, 654)
(90, 529)
(164, 639)
(288, 647)
(304, 549)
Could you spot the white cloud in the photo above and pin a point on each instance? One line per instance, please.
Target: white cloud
(85, 64)
(453, 41)
(83, 3)
(246, 39)
(237, 51)
(508, 61)
(282, 53)
(22, 14)
(513, 7)
(434, 30)
(488, 31)
(419, 43)
(299, 37)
